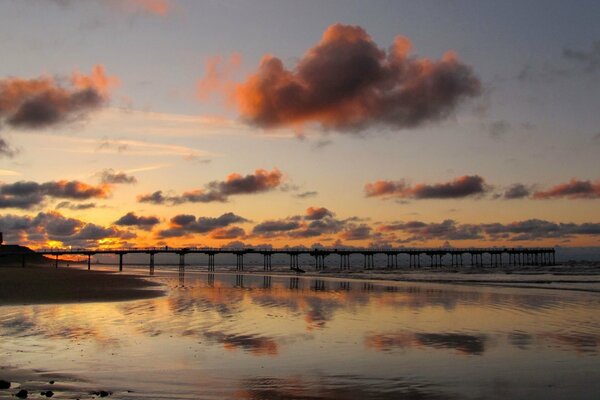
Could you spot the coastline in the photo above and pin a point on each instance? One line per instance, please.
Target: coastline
(47, 285)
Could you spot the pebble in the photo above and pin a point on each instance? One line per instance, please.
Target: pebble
(22, 394)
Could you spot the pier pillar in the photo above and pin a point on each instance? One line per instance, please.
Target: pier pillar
(151, 263)
(120, 262)
(211, 262)
(89, 262)
(56, 262)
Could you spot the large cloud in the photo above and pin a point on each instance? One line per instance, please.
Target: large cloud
(463, 186)
(347, 82)
(219, 191)
(46, 101)
(185, 224)
(26, 194)
(45, 226)
(574, 189)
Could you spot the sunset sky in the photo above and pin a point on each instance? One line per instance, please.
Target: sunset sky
(154, 122)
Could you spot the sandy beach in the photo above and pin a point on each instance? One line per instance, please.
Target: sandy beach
(45, 285)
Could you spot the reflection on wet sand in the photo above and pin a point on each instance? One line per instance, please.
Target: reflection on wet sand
(312, 338)
(337, 387)
(463, 343)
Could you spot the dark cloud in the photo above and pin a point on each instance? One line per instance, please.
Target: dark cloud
(359, 232)
(463, 186)
(306, 195)
(233, 232)
(314, 213)
(219, 191)
(75, 206)
(43, 102)
(574, 62)
(275, 226)
(130, 219)
(153, 198)
(533, 229)
(589, 61)
(516, 191)
(261, 181)
(109, 176)
(498, 129)
(54, 226)
(445, 230)
(26, 195)
(574, 189)
(347, 82)
(6, 150)
(185, 224)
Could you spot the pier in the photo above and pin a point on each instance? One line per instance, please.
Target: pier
(363, 257)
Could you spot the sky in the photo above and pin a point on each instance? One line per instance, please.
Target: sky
(220, 123)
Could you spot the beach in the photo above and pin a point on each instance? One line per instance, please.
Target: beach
(45, 285)
(231, 335)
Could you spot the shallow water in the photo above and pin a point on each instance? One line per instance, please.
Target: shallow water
(224, 335)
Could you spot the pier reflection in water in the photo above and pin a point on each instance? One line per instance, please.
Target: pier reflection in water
(273, 337)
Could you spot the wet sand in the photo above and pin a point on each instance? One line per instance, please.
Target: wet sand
(47, 285)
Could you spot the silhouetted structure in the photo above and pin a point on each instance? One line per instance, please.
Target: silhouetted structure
(495, 256)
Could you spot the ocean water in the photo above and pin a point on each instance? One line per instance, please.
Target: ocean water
(228, 336)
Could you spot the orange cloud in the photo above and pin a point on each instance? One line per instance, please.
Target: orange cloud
(43, 101)
(218, 76)
(347, 82)
(462, 186)
(97, 80)
(155, 7)
(574, 189)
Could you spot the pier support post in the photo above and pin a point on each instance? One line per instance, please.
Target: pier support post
(181, 261)
(211, 262)
(56, 262)
(120, 262)
(89, 262)
(151, 263)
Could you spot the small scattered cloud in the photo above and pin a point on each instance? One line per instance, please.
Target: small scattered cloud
(110, 176)
(574, 62)
(185, 224)
(220, 191)
(461, 187)
(498, 129)
(44, 102)
(131, 219)
(315, 213)
(516, 191)
(75, 206)
(574, 189)
(306, 195)
(588, 61)
(6, 150)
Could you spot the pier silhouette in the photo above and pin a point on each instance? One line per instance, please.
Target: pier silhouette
(417, 257)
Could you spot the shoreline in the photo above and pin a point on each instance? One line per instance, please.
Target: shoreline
(47, 285)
